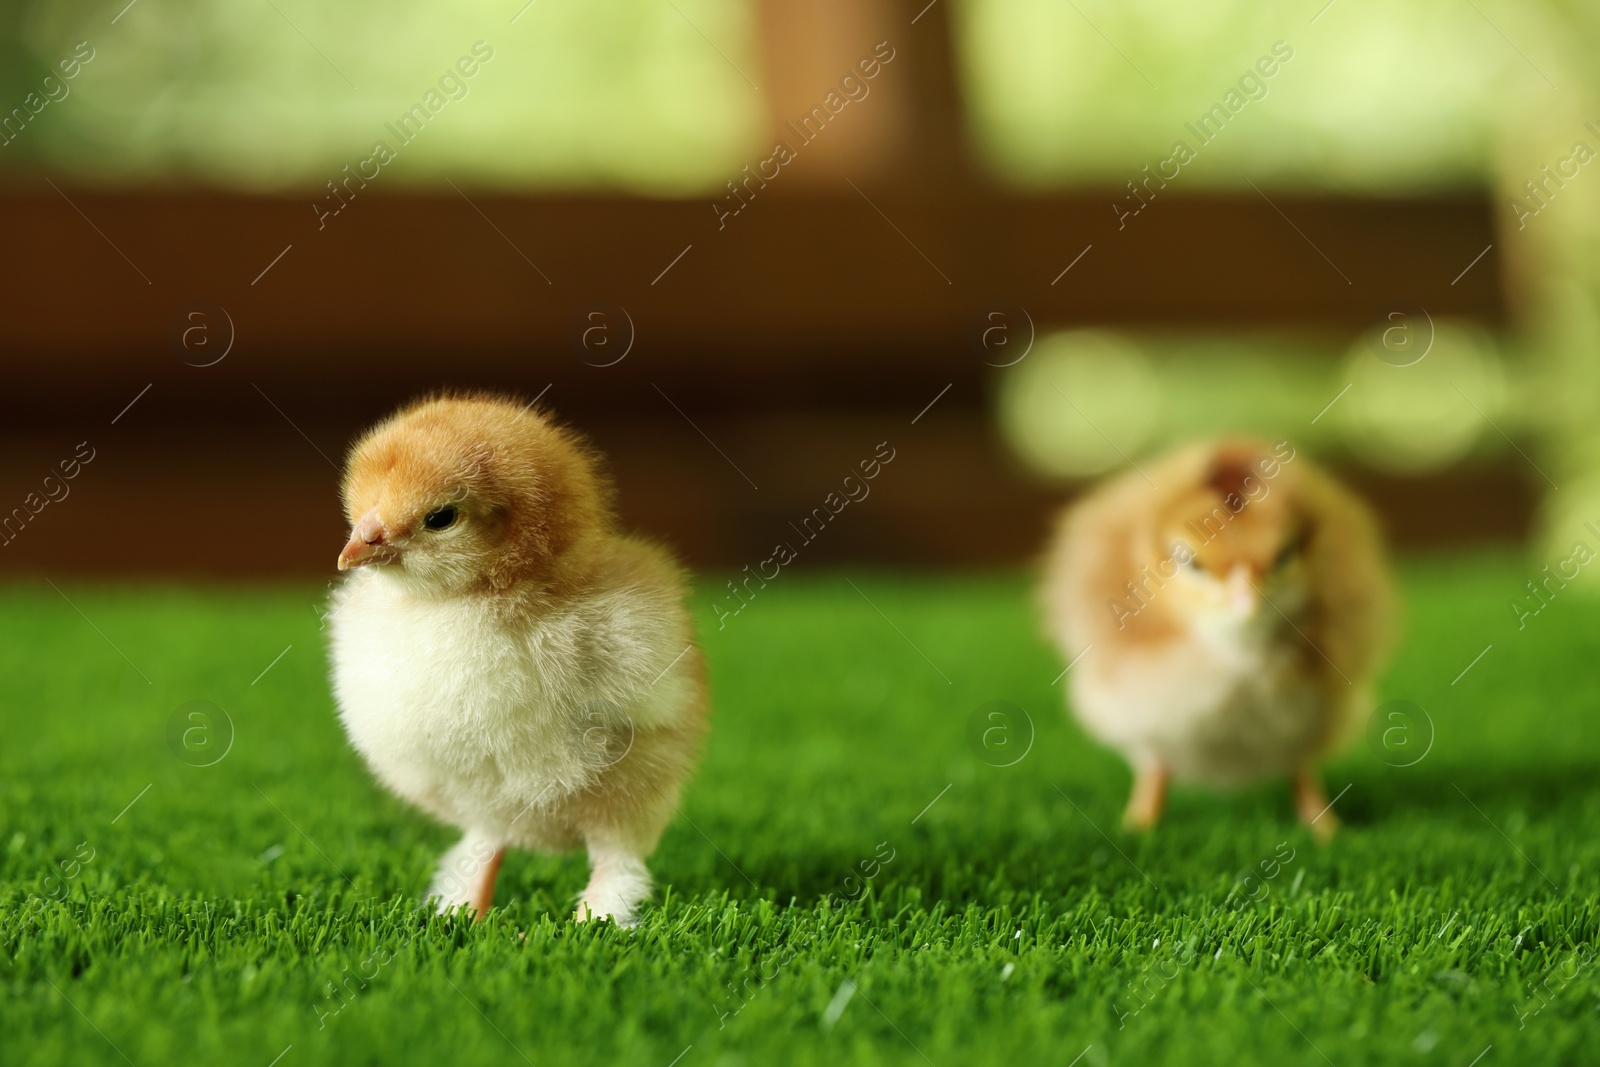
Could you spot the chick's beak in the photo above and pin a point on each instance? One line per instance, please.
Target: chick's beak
(1243, 597)
(367, 543)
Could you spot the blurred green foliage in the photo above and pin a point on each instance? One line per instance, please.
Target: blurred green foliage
(1412, 95)
(266, 93)
(1419, 94)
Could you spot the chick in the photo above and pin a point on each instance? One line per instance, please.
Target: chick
(1231, 606)
(505, 659)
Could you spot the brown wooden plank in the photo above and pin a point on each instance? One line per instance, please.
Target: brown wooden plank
(803, 332)
(796, 278)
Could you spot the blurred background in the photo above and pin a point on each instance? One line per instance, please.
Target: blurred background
(741, 243)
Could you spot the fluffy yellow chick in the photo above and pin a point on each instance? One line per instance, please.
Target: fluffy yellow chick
(1231, 608)
(505, 659)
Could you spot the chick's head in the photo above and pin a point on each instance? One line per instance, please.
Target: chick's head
(1237, 540)
(459, 494)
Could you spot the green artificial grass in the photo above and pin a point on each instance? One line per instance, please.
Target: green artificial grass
(853, 879)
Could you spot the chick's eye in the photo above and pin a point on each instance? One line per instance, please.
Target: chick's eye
(440, 518)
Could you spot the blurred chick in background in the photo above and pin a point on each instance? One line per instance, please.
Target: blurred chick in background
(506, 660)
(1231, 606)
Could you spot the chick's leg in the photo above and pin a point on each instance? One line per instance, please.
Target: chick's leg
(618, 883)
(1311, 803)
(1149, 796)
(466, 874)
